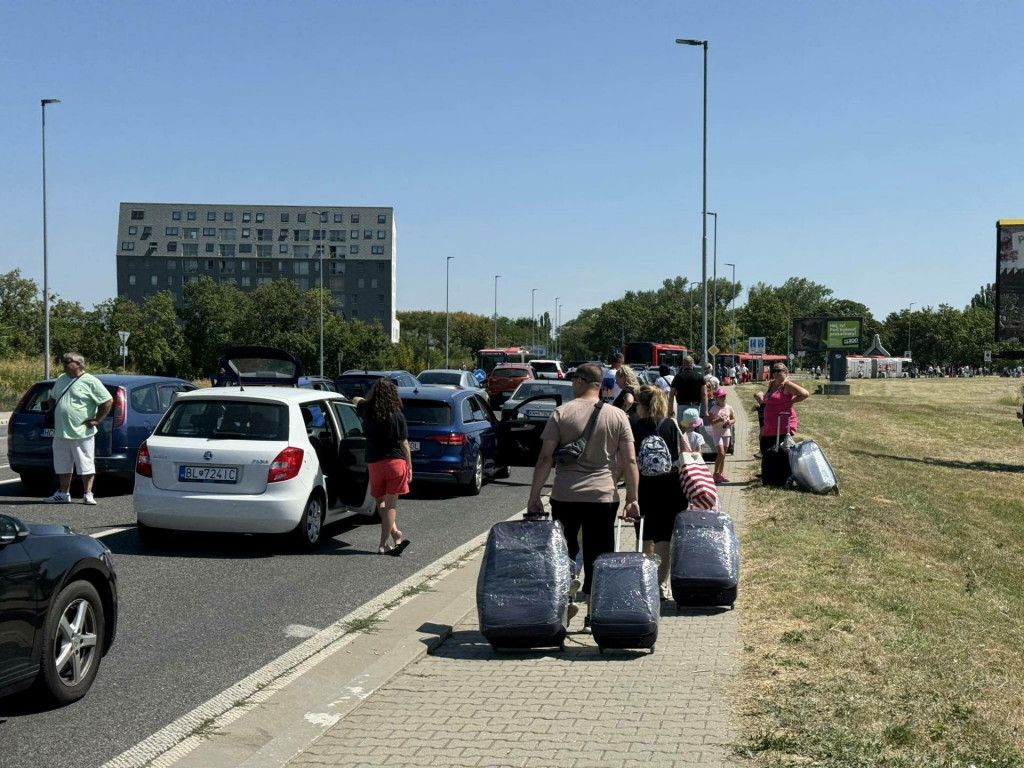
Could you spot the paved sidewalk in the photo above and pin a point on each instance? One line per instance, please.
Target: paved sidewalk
(466, 705)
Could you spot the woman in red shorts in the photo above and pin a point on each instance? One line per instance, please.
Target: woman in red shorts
(388, 458)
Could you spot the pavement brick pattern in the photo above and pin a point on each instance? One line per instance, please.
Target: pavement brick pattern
(466, 705)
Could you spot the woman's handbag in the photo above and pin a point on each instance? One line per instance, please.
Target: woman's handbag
(696, 481)
(567, 454)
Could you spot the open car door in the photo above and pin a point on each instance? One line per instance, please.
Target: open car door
(520, 429)
(355, 476)
(258, 366)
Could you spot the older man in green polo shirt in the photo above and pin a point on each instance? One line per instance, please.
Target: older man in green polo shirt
(79, 402)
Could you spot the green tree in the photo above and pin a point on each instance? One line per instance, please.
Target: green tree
(21, 315)
(212, 317)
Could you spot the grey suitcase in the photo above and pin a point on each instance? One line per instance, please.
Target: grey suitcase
(811, 470)
(705, 559)
(522, 592)
(625, 602)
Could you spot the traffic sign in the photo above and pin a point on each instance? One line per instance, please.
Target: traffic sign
(124, 351)
(713, 350)
(124, 336)
(732, 342)
(755, 345)
(988, 355)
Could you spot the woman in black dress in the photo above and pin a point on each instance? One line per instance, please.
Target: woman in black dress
(628, 384)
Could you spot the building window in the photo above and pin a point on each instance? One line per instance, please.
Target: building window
(337, 251)
(243, 265)
(280, 268)
(211, 215)
(172, 246)
(362, 283)
(147, 232)
(171, 231)
(170, 279)
(229, 216)
(190, 249)
(154, 280)
(228, 234)
(190, 266)
(337, 235)
(133, 230)
(284, 218)
(245, 248)
(300, 252)
(282, 248)
(353, 235)
(264, 251)
(176, 215)
(300, 217)
(209, 231)
(355, 313)
(381, 234)
(319, 234)
(227, 267)
(355, 298)
(131, 279)
(373, 282)
(172, 264)
(300, 235)
(381, 266)
(367, 234)
(245, 233)
(377, 250)
(355, 218)
(190, 233)
(191, 215)
(127, 245)
(138, 215)
(264, 234)
(145, 263)
(246, 281)
(324, 217)
(209, 247)
(380, 299)
(259, 218)
(339, 218)
(260, 281)
(209, 265)
(336, 268)
(300, 267)
(264, 267)
(318, 251)
(227, 250)
(353, 249)
(382, 218)
(246, 218)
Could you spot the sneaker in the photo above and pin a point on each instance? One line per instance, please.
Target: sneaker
(586, 622)
(89, 499)
(573, 610)
(575, 586)
(59, 497)
(717, 478)
(758, 455)
(723, 478)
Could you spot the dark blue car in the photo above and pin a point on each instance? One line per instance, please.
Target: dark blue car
(139, 402)
(453, 436)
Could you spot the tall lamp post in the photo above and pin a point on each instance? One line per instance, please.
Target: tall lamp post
(714, 283)
(704, 206)
(558, 347)
(321, 216)
(496, 310)
(46, 280)
(554, 324)
(447, 337)
(732, 344)
(533, 318)
(910, 318)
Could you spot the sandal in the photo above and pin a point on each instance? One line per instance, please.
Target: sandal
(384, 549)
(399, 548)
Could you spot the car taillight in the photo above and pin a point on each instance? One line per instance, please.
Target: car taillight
(560, 375)
(452, 438)
(119, 407)
(143, 466)
(286, 465)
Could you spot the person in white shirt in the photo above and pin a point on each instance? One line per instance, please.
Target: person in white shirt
(664, 380)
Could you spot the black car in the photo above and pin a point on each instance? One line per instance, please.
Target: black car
(58, 608)
(356, 383)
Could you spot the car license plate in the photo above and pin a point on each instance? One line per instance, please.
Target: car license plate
(190, 474)
(46, 432)
(538, 414)
(413, 446)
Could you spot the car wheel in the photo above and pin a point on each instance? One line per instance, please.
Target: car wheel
(73, 642)
(476, 482)
(37, 482)
(307, 532)
(151, 537)
(503, 472)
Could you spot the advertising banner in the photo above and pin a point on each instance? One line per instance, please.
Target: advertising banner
(817, 334)
(1009, 280)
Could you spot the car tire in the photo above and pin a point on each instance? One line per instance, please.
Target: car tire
(308, 532)
(503, 473)
(37, 482)
(476, 480)
(72, 643)
(151, 537)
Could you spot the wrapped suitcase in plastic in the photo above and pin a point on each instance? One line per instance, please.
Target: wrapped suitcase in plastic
(522, 592)
(705, 559)
(625, 602)
(811, 470)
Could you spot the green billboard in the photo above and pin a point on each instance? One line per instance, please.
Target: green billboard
(818, 334)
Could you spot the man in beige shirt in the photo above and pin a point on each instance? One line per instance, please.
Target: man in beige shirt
(584, 492)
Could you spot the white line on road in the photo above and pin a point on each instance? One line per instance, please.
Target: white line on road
(4, 466)
(109, 531)
(297, 661)
(13, 480)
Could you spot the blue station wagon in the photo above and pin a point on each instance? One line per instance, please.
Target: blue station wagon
(139, 402)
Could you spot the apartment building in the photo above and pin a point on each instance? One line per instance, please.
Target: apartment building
(164, 246)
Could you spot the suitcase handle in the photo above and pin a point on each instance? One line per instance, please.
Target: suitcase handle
(618, 534)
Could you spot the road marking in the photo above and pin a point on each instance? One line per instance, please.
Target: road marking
(109, 531)
(299, 630)
(174, 741)
(14, 480)
(4, 466)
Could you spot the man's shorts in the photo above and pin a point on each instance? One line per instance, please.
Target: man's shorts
(390, 476)
(67, 454)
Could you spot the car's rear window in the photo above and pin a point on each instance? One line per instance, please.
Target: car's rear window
(41, 393)
(509, 373)
(220, 420)
(440, 377)
(427, 412)
(355, 386)
(545, 367)
(529, 389)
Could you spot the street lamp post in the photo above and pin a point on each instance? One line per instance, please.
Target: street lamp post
(46, 280)
(558, 346)
(732, 336)
(496, 310)
(714, 284)
(447, 337)
(910, 318)
(704, 206)
(533, 318)
(323, 239)
(554, 324)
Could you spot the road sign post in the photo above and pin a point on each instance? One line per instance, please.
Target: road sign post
(756, 345)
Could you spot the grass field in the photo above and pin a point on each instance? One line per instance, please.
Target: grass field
(885, 626)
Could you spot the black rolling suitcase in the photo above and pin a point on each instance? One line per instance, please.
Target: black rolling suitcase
(625, 602)
(522, 592)
(705, 559)
(775, 461)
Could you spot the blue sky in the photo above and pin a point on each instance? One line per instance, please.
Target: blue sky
(867, 146)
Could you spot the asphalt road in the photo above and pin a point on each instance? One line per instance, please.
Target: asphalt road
(208, 611)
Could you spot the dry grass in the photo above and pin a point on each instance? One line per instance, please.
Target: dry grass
(886, 626)
(16, 376)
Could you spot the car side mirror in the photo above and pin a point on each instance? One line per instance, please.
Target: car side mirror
(11, 530)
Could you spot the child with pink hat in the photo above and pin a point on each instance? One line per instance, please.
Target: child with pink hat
(722, 418)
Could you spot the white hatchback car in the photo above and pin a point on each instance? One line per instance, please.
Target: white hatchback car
(253, 460)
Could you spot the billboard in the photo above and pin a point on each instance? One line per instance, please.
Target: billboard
(818, 334)
(1009, 280)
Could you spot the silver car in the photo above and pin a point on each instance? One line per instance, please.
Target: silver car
(447, 377)
(538, 409)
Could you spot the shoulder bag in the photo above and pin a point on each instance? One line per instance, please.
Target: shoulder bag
(50, 416)
(567, 454)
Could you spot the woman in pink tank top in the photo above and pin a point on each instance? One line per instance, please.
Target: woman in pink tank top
(779, 415)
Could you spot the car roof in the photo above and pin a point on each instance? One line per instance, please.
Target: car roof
(427, 392)
(441, 370)
(546, 361)
(128, 379)
(363, 372)
(549, 382)
(512, 365)
(274, 394)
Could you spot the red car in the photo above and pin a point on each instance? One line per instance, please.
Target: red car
(504, 379)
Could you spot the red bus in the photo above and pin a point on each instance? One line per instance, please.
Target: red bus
(486, 359)
(652, 354)
(758, 365)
